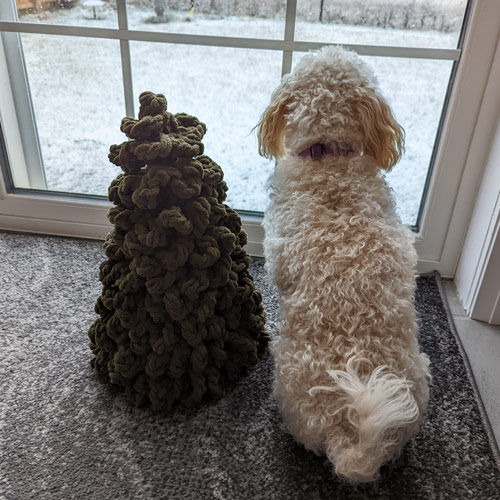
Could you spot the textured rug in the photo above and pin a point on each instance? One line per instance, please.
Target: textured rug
(64, 435)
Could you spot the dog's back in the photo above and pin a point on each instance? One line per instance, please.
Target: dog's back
(349, 378)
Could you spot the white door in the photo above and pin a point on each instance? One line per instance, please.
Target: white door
(68, 73)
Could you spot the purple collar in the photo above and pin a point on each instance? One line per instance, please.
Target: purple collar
(317, 151)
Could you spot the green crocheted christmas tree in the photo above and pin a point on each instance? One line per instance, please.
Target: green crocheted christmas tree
(179, 316)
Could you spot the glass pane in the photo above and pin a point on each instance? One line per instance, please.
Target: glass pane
(416, 102)
(253, 19)
(227, 89)
(77, 93)
(413, 23)
(95, 13)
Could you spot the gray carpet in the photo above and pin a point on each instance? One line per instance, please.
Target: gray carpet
(64, 435)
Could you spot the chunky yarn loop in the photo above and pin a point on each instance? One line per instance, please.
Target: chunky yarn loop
(179, 316)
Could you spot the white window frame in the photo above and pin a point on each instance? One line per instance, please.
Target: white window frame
(478, 272)
(451, 190)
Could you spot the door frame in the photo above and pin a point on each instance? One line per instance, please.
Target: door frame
(459, 166)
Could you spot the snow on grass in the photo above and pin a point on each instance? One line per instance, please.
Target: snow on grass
(77, 91)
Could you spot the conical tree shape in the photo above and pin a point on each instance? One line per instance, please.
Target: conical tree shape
(179, 316)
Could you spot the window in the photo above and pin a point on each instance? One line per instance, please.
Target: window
(74, 70)
(76, 82)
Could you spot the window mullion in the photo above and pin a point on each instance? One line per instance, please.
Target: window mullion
(291, 11)
(128, 88)
(225, 41)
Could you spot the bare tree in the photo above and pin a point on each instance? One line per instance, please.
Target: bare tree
(321, 5)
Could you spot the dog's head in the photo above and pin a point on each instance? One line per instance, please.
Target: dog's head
(330, 98)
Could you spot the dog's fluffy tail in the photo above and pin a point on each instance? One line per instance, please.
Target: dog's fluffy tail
(382, 414)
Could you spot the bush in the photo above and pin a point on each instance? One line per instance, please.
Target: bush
(438, 15)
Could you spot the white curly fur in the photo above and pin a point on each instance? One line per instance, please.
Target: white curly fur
(349, 378)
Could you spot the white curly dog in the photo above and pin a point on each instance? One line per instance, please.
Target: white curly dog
(349, 378)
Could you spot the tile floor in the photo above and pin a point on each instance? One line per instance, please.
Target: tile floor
(482, 345)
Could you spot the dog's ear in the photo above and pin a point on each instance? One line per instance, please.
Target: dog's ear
(383, 136)
(271, 128)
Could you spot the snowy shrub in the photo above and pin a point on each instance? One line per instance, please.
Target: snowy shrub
(438, 15)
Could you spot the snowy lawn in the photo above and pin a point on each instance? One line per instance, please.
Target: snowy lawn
(77, 91)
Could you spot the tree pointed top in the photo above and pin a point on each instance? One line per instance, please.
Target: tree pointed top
(152, 104)
(157, 135)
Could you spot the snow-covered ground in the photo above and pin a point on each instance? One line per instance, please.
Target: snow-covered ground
(77, 91)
